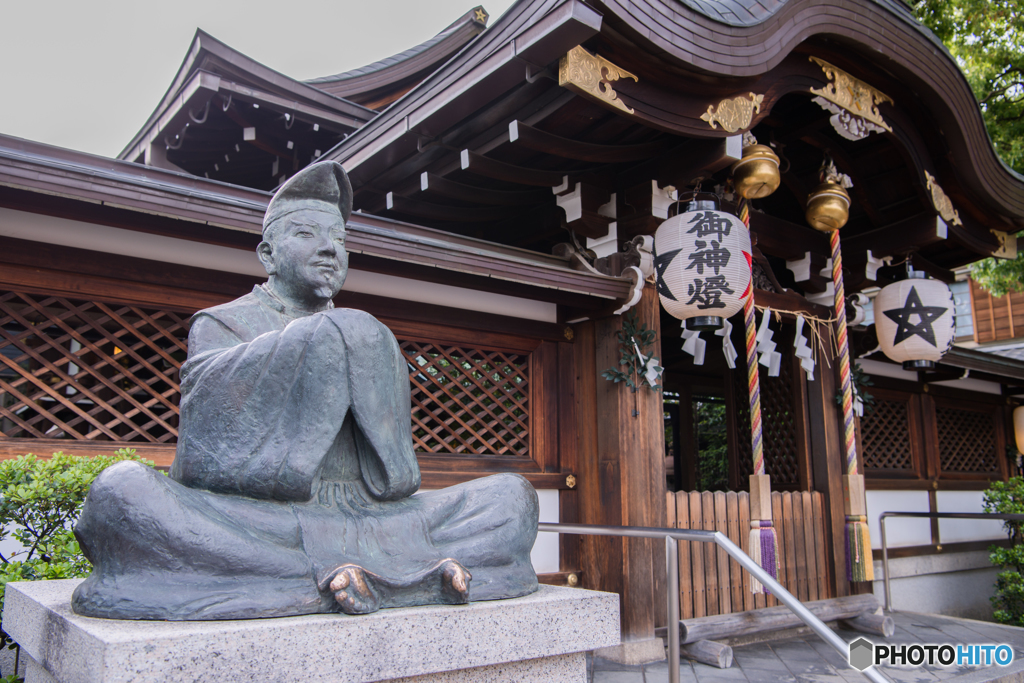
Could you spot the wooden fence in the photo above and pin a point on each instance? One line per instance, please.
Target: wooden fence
(712, 583)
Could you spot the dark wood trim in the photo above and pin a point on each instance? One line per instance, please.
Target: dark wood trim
(560, 578)
(828, 467)
(941, 549)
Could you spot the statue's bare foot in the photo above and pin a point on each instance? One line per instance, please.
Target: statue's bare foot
(354, 590)
(454, 582)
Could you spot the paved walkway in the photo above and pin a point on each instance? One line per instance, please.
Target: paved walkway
(810, 659)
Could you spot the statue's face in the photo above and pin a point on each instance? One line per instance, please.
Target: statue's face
(306, 256)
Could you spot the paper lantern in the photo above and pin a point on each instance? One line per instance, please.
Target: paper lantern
(702, 260)
(914, 320)
(1018, 427)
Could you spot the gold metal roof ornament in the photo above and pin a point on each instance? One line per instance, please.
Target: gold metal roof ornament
(941, 202)
(853, 103)
(734, 114)
(592, 76)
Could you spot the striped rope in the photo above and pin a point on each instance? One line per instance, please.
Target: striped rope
(844, 354)
(753, 384)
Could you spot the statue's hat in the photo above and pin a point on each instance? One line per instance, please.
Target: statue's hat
(323, 186)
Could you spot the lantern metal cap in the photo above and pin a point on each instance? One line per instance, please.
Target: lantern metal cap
(704, 322)
(918, 365)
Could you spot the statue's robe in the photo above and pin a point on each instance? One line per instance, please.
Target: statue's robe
(294, 457)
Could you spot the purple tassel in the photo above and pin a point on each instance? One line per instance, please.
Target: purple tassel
(769, 551)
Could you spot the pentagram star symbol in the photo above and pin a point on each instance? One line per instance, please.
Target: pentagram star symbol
(926, 315)
(661, 262)
(480, 15)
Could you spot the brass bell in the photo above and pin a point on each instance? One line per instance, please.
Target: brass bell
(828, 207)
(756, 174)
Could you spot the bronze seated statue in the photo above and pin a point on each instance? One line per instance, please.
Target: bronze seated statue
(292, 487)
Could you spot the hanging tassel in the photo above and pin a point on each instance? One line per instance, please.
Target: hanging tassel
(860, 565)
(859, 561)
(764, 542)
(763, 546)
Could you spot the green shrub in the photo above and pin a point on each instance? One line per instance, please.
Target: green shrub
(40, 501)
(1008, 602)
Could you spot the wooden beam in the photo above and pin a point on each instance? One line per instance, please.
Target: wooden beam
(449, 189)
(499, 170)
(779, 237)
(531, 138)
(442, 212)
(681, 164)
(937, 272)
(904, 236)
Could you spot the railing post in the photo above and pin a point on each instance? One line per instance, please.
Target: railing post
(885, 564)
(672, 566)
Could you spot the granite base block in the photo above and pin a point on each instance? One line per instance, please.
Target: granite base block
(540, 637)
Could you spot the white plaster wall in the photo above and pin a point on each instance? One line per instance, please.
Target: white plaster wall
(957, 584)
(963, 530)
(545, 550)
(899, 531)
(81, 235)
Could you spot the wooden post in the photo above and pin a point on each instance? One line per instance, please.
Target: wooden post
(621, 464)
(828, 460)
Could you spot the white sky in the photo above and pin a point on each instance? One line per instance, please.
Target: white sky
(85, 74)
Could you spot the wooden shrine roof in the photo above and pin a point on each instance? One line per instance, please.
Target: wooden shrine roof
(379, 84)
(482, 145)
(50, 180)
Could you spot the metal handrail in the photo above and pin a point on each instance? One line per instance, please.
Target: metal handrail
(672, 538)
(931, 515)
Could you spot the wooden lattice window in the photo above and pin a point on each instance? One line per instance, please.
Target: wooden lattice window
(968, 443)
(886, 437)
(74, 369)
(468, 401)
(779, 426)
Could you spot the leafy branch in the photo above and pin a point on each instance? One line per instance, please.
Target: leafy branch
(640, 369)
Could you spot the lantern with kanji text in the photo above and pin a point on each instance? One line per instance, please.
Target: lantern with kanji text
(702, 264)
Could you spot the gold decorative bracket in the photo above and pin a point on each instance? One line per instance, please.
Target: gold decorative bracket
(734, 114)
(851, 94)
(941, 202)
(592, 76)
(1007, 245)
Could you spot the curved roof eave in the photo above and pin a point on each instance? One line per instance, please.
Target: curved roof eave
(430, 52)
(884, 28)
(205, 44)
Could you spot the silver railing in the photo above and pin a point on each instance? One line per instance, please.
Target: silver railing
(672, 538)
(930, 515)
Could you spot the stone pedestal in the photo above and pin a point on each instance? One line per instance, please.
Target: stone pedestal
(541, 637)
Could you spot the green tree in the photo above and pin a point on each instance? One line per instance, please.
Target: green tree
(987, 40)
(40, 501)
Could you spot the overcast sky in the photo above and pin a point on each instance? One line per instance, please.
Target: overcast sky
(85, 74)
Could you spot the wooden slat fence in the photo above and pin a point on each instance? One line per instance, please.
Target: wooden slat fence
(711, 583)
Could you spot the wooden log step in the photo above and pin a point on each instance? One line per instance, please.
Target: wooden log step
(708, 652)
(771, 618)
(877, 624)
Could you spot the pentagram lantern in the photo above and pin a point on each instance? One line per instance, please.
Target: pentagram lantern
(914, 321)
(702, 261)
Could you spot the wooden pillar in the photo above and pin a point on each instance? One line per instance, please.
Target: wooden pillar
(828, 462)
(621, 465)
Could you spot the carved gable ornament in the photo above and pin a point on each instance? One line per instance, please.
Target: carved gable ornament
(853, 103)
(734, 114)
(592, 76)
(941, 202)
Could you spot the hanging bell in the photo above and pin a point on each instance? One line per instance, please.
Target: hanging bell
(828, 207)
(756, 174)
